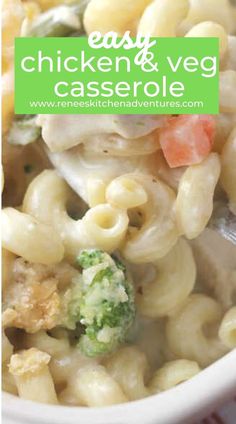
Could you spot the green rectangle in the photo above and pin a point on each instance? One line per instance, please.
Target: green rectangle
(48, 80)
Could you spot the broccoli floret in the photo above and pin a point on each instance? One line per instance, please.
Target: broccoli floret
(88, 258)
(103, 302)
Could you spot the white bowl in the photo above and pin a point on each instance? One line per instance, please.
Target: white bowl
(183, 404)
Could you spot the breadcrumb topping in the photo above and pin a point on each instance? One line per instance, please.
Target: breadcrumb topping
(32, 301)
(28, 361)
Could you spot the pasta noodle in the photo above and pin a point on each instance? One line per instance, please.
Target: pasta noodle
(108, 15)
(173, 373)
(230, 58)
(103, 226)
(12, 18)
(227, 331)
(48, 4)
(228, 175)
(219, 11)
(96, 189)
(227, 92)
(93, 386)
(51, 345)
(161, 19)
(175, 279)
(65, 360)
(7, 99)
(32, 376)
(158, 232)
(185, 330)
(20, 232)
(125, 193)
(194, 203)
(211, 29)
(225, 123)
(128, 367)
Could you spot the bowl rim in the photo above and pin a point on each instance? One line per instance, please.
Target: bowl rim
(210, 387)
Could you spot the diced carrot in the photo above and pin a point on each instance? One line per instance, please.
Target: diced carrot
(187, 139)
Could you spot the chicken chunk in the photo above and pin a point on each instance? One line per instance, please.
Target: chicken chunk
(82, 169)
(61, 132)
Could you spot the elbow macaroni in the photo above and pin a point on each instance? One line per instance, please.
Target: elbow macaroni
(43, 341)
(227, 91)
(185, 330)
(194, 203)
(161, 18)
(32, 376)
(94, 387)
(229, 61)
(96, 191)
(25, 236)
(227, 331)
(128, 367)
(12, 18)
(65, 360)
(219, 11)
(125, 193)
(158, 232)
(211, 29)
(110, 15)
(7, 99)
(228, 174)
(173, 373)
(176, 274)
(103, 226)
